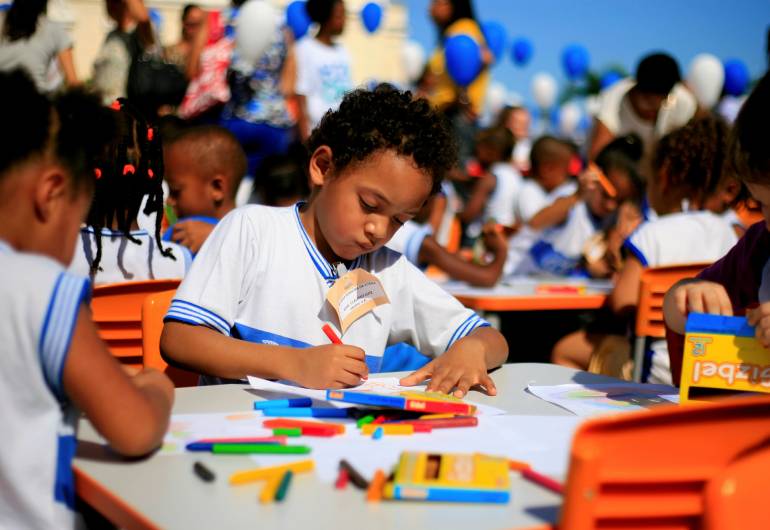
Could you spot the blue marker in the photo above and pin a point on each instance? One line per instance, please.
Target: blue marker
(283, 403)
(206, 446)
(306, 412)
(377, 433)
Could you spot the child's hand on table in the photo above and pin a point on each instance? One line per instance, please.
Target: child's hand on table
(330, 366)
(459, 368)
(760, 318)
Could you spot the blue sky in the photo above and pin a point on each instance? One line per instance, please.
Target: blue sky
(615, 32)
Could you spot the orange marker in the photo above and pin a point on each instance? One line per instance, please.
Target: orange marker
(374, 492)
(604, 182)
(330, 333)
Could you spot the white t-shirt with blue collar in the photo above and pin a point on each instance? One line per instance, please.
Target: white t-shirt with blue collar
(260, 278)
(40, 308)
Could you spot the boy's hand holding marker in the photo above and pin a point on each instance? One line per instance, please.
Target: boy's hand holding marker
(697, 296)
(330, 366)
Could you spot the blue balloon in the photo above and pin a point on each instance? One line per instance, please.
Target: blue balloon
(737, 77)
(609, 79)
(522, 51)
(495, 35)
(371, 14)
(297, 18)
(575, 61)
(463, 59)
(4, 7)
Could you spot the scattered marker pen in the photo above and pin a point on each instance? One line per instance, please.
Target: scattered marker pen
(204, 473)
(283, 487)
(283, 403)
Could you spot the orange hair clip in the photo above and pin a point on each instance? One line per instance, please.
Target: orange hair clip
(150, 173)
(115, 105)
(129, 168)
(150, 134)
(97, 173)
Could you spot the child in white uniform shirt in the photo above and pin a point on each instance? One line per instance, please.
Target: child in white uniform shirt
(52, 361)
(111, 247)
(265, 273)
(687, 163)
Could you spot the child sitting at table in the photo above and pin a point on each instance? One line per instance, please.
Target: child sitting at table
(272, 277)
(111, 247)
(550, 178)
(53, 365)
(687, 163)
(204, 166)
(570, 222)
(739, 283)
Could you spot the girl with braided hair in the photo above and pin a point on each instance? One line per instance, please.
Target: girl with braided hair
(111, 248)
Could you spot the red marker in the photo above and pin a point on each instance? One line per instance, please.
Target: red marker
(542, 480)
(330, 333)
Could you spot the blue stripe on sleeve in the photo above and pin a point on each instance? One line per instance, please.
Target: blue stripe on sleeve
(61, 315)
(193, 314)
(463, 330)
(633, 249)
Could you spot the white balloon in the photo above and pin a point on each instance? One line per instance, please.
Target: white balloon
(497, 96)
(544, 90)
(255, 28)
(705, 78)
(413, 58)
(569, 118)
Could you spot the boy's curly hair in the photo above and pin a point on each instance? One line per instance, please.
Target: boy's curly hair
(385, 118)
(693, 155)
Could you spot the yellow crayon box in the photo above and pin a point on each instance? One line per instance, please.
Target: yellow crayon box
(450, 478)
(722, 355)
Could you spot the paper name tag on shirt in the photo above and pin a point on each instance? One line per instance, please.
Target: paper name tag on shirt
(354, 295)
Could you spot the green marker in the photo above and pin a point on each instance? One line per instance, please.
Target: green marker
(280, 493)
(264, 449)
(288, 431)
(363, 421)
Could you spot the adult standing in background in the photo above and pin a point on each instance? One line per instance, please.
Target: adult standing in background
(193, 22)
(650, 106)
(132, 34)
(257, 113)
(30, 41)
(323, 65)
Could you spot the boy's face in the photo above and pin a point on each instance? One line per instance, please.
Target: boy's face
(359, 209)
(761, 194)
(518, 123)
(337, 18)
(189, 192)
(553, 173)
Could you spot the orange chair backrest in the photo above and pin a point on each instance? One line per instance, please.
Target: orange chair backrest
(455, 236)
(154, 309)
(117, 313)
(654, 283)
(650, 469)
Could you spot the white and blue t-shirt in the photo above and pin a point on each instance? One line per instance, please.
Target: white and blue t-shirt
(40, 308)
(559, 248)
(501, 205)
(125, 261)
(408, 240)
(260, 278)
(678, 239)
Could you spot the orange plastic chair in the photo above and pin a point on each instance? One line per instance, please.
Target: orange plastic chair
(662, 468)
(455, 236)
(117, 313)
(154, 309)
(654, 283)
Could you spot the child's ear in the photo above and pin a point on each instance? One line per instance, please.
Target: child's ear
(321, 165)
(50, 192)
(217, 186)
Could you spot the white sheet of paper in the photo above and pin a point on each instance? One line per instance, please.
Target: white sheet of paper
(186, 428)
(599, 399)
(374, 384)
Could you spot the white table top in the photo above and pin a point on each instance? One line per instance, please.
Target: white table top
(165, 491)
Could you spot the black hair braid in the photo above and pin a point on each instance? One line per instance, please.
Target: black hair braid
(122, 181)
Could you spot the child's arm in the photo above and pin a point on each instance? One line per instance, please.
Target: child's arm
(207, 351)
(483, 275)
(694, 296)
(482, 189)
(625, 295)
(191, 233)
(555, 213)
(465, 364)
(131, 413)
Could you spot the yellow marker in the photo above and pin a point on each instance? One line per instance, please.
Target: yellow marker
(387, 428)
(436, 416)
(262, 473)
(271, 486)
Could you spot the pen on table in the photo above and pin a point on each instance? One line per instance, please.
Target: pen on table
(355, 477)
(283, 403)
(542, 480)
(283, 487)
(204, 473)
